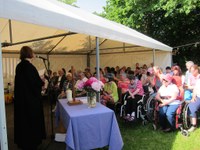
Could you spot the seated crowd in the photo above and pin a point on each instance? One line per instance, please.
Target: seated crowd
(169, 88)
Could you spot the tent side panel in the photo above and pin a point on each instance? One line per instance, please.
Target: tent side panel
(66, 61)
(3, 128)
(162, 59)
(56, 62)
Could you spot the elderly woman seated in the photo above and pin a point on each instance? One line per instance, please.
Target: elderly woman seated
(167, 96)
(81, 78)
(193, 77)
(67, 85)
(194, 106)
(123, 85)
(110, 93)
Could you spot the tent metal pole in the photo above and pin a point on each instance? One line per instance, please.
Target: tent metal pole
(171, 59)
(124, 49)
(97, 64)
(88, 60)
(99, 44)
(154, 54)
(123, 52)
(3, 128)
(113, 48)
(10, 30)
(39, 39)
(57, 44)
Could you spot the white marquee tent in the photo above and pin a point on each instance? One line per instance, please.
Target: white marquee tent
(66, 33)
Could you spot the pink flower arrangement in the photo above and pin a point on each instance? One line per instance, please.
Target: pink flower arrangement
(91, 85)
(81, 85)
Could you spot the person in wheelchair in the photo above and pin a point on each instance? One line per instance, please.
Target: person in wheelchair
(168, 103)
(194, 105)
(135, 92)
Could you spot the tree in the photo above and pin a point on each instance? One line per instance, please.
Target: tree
(173, 22)
(70, 2)
(178, 6)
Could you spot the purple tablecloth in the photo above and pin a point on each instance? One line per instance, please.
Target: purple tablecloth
(89, 128)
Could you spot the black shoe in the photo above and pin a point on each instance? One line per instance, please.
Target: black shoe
(168, 130)
(162, 129)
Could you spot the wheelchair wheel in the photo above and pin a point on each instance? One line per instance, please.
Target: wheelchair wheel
(185, 133)
(186, 117)
(144, 122)
(123, 106)
(122, 111)
(154, 126)
(150, 108)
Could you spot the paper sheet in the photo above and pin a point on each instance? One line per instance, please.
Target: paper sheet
(60, 137)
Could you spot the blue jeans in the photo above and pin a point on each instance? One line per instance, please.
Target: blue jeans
(194, 106)
(167, 116)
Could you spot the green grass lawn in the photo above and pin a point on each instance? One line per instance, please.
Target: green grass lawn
(138, 137)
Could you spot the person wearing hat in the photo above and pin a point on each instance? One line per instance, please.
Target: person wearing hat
(110, 93)
(167, 96)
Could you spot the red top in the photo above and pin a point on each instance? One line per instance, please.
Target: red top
(123, 85)
(178, 81)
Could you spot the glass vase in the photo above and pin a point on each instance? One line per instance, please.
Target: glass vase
(91, 99)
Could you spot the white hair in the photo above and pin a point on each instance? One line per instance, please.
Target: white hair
(189, 63)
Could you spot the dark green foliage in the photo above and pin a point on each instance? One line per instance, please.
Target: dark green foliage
(173, 22)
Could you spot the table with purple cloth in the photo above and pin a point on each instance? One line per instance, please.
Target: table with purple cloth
(89, 128)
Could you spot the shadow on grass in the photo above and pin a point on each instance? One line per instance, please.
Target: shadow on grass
(139, 137)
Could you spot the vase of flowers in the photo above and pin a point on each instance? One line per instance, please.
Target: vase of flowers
(91, 99)
(92, 86)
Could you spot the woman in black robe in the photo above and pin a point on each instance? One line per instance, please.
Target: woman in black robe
(29, 128)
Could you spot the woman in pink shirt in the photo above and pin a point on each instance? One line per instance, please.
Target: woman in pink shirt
(135, 92)
(192, 82)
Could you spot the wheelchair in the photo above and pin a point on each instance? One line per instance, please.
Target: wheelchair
(140, 112)
(182, 118)
(150, 107)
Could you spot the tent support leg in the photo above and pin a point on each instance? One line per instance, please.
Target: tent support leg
(154, 57)
(97, 64)
(3, 128)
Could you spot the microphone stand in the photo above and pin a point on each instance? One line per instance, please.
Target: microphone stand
(47, 67)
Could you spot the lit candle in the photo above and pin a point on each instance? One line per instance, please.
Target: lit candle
(69, 95)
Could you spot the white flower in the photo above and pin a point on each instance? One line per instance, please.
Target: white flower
(97, 86)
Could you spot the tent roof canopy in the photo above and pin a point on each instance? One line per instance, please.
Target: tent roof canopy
(69, 29)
